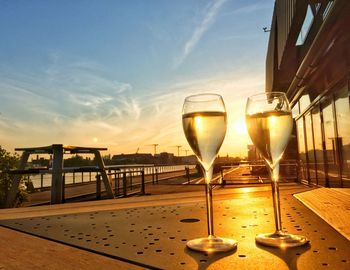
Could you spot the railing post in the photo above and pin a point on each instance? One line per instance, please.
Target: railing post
(124, 184)
(73, 177)
(98, 187)
(131, 173)
(89, 176)
(82, 177)
(153, 170)
(223, 182)
(115, 183)
(63, 188)
(41, 180)
(143, 182)
(156, 175)
(118, 183)
(57, 174)
(187, 174)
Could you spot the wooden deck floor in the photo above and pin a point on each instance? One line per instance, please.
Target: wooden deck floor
(332, 205)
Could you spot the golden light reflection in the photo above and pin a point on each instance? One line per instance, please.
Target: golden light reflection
(199, 123)
(95, 139)
(246, 190)
(272, 120)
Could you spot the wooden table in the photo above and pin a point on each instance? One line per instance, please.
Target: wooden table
(151, 232)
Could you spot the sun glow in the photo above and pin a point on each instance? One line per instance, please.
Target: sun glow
(240, 127)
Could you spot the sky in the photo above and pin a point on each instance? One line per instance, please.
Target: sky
(115, 73)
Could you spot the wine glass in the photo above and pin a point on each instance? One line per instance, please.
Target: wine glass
(204, 124)
(270, 123)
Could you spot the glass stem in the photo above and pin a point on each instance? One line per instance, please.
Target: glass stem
(276, 197)
(208, 174)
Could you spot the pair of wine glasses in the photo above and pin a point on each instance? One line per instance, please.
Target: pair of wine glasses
(269, 122)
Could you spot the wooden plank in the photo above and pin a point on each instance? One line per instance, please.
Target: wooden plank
(331, 205)
(23, 251)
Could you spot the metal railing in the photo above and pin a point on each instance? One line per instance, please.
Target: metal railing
(124, 180)
(257, 173)
(40, 178)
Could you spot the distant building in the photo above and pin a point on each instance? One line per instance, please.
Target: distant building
(41, 162)
(308, 58)
(165, 158)
(227, 160)
(192, 159)
(133, 159)
(253, 153)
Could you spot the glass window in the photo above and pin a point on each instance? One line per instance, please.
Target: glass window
(304, 102)
(309, 18)
(330, 145)
(295, 110)
(310, 149)
(301, 149)
(343, 125)
(318, 141)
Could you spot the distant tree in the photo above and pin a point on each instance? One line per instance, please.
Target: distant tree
(9, 161)
(78, 161)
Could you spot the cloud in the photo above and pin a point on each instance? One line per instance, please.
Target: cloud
(199, 31)
(70, 102)
(73, 105)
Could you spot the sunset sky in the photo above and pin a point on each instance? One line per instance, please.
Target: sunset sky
(115, 73)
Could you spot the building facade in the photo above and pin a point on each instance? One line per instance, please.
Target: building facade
(308, 58)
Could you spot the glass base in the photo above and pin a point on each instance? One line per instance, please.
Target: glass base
(212, 244)
(281, 240)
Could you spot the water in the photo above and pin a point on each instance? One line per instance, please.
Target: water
(44, 180)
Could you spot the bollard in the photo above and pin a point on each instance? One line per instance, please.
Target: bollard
(142, 182)
(98, 187)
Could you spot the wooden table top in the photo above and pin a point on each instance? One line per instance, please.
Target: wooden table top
(239, 213)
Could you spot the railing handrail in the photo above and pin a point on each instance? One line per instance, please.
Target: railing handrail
(42, 170)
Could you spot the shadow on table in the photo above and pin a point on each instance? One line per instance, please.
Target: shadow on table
(289, 256)
(205, 259)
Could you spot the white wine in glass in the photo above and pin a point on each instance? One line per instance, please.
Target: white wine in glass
(270, 123)
(204, 124)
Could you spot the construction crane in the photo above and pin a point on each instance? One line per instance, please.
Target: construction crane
(155, 147)
(137, 150)
(178, 149)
